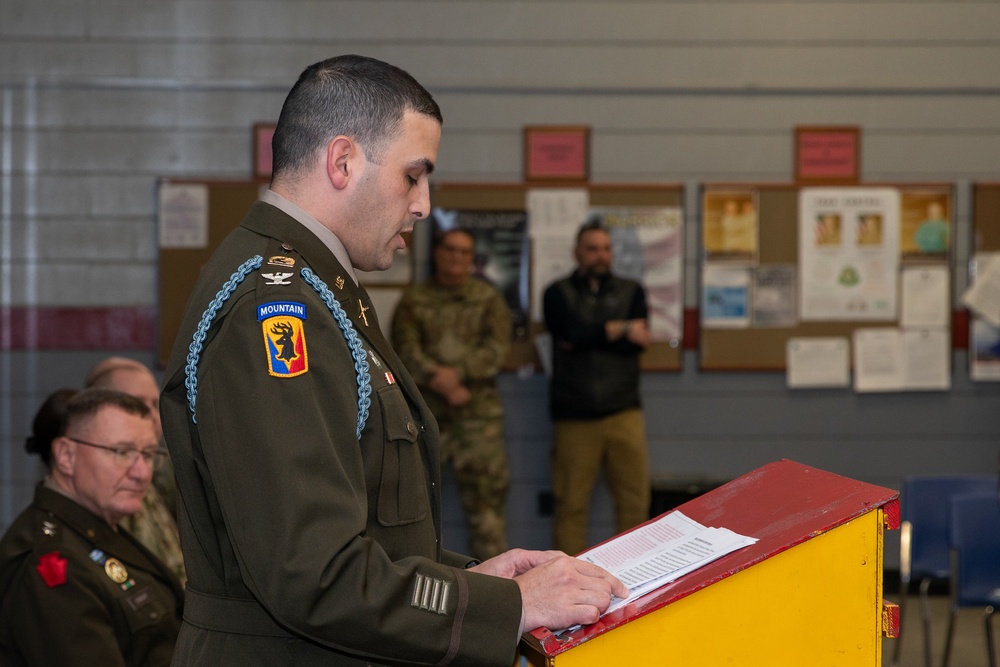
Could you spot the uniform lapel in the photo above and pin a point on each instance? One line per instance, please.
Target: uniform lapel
(119, 544)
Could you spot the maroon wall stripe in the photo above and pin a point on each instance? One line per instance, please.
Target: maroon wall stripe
(135, 329)
(31, 328)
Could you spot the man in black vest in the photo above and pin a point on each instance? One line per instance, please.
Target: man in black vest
(598, 326)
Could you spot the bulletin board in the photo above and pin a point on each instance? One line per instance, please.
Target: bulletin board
(660, 356)
(228, 202)
(763, 348)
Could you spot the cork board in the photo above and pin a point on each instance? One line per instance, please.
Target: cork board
(763, 348)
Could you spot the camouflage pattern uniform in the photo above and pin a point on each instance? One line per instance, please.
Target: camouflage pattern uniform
(467, 328)
(155, 527)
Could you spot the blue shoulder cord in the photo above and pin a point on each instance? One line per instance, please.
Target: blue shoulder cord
(357, 351)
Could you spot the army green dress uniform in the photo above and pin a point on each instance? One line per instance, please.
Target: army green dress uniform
(307, 465)
(467, 328)
(76, 592)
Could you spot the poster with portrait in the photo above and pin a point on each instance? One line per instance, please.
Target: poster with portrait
(730, 225)
(848, 253)
(925, 225)
(501, 254)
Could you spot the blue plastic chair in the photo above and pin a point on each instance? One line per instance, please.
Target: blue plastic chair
(924, 540)
(975, 571)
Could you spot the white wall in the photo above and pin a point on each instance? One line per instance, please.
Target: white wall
(98, 99)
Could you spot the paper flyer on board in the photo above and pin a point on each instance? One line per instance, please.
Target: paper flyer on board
(848, 253)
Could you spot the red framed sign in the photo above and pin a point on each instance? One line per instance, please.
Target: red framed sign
(828, 155)
(557, 153)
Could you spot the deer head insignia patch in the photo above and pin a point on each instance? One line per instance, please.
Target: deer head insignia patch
(283, 325)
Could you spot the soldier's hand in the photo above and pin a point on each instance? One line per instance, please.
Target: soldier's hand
(565, 591)
(458, 396)
(445, 380)
(511, 563)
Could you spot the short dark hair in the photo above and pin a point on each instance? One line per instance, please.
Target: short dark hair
(358, 97)
(49, 423)
(593, 223)
(443, 234)
(85, 404)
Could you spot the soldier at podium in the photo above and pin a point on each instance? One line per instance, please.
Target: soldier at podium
(306, 459)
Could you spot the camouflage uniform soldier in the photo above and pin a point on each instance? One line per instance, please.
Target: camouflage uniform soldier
(453, 333)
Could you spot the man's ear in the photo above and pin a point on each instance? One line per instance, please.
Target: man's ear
(64, 455)
(341, 158)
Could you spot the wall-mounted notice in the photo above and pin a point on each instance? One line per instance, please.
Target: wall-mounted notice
(730, 225)
(725, 298)
(848, 253)
(774, 296)
(891, 359)
(182, 213)
(925, 291)
(816, 362)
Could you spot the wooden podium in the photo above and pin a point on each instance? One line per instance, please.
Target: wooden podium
(809, 592)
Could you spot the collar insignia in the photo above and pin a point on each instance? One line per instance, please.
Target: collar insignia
(277, 278)
(339, 282)
(361, 313)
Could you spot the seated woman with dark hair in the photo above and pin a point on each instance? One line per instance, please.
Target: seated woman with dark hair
(75, 588)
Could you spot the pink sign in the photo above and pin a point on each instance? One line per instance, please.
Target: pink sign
(829, 155)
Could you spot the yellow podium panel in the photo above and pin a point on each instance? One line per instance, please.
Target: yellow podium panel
(809, 593)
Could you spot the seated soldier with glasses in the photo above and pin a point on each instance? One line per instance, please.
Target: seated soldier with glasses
(75, 588)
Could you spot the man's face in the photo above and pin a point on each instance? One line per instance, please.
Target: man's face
(99, 483)
(593, 253)
(391, 195)
(141, 384)
(453, 258)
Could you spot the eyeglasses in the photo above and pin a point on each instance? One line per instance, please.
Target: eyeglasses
(457, 250)
(126, 457)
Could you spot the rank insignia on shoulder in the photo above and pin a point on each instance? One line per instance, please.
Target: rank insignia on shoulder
(281, 260)
(52, 567)
(283, 326)
(115, 570)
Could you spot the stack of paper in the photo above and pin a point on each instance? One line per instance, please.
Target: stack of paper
(662, 551)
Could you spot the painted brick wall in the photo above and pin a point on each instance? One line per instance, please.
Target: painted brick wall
(100, 99)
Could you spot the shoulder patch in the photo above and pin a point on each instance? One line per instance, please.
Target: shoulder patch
(283, 326)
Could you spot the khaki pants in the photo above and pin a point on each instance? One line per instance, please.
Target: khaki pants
(581, 448)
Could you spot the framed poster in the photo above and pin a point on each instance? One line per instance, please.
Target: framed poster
(262, 134)
(828, 155)
(557, 153)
